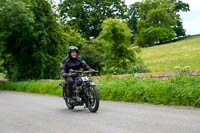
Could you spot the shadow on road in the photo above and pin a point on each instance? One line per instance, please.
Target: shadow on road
(76, 110)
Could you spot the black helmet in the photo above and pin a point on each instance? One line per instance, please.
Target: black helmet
(72, 48)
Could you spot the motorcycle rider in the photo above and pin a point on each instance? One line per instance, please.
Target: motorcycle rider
(75, 62)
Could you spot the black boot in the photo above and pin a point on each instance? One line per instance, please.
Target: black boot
(69, 90)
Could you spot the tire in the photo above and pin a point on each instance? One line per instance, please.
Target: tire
(71, 107)
(93, 99)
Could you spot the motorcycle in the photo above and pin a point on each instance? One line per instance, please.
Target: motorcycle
(84, 91)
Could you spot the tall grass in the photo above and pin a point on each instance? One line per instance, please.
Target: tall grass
(181, 90)
(165, 57)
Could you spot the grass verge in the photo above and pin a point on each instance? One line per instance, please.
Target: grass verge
(180, 90)
(42, 87)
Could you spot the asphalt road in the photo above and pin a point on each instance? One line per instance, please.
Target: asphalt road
(35, 113)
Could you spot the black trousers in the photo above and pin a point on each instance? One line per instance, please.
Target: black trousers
(69, 86)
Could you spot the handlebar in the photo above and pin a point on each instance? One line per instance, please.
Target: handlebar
(80, 72)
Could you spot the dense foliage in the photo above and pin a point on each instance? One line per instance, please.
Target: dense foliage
(146, 20)
(157, 18)
(117, 53)
(33, 41)
(133, 17)
(184, 7)
(87, 15)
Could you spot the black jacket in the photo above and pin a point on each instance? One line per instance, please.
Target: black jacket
(75, 64)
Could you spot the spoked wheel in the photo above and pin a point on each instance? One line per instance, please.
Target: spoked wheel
(93, 99)
(66, 99)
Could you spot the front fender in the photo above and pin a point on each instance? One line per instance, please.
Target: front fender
(92, 84)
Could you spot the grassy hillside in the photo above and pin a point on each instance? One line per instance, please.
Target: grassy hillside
(166, 57)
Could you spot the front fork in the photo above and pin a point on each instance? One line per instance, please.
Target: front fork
(87, 88)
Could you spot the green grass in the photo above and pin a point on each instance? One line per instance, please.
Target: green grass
(42, 87)
(181, 90)
(182, 53)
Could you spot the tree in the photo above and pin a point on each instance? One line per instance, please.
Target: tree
(133, 17)
(116, 37)
(181, 6)
(92, 55)
(184, 7)
(157, 17)
(16, 21)
(133, 13)
(86, 16)
(179, 30)
(34, 42)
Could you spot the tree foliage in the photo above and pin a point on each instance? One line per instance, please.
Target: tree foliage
(157, 17)
(86, 16)
(134, 17)
(34, 42)
(181, 6)
(16, 21)
(92, 55)
(116, 36)
(184, 7)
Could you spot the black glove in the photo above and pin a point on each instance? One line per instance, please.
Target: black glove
(65, 75)
(91, 70)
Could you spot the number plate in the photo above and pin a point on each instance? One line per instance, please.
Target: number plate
(85, 78)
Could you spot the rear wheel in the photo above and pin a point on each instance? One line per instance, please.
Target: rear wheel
(93, 99)
(69, 105)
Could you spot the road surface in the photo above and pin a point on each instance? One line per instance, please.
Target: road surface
(35, 113)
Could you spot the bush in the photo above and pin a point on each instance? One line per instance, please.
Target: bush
(92, 56)
(118, 55)
(139, 67)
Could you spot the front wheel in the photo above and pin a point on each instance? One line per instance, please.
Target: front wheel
(93, 99)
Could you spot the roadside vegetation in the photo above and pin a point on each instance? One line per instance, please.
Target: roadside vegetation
(182, 90)
(164, 58)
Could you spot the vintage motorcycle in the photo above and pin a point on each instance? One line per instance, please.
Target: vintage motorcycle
(84, 91)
